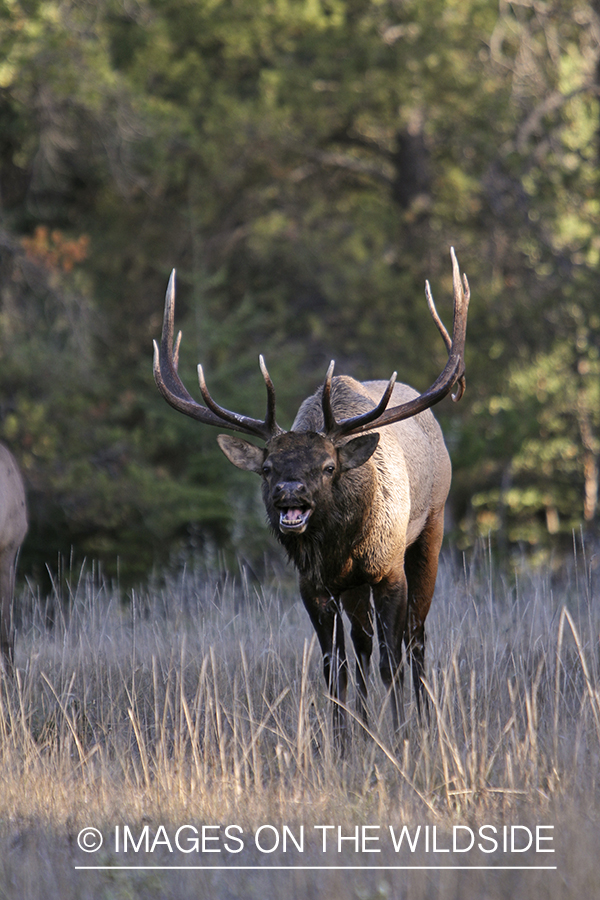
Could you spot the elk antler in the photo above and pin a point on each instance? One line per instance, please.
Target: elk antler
(330, 423)
(170, 385)
(453, 373)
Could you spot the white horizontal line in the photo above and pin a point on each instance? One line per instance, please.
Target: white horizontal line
(322, 868)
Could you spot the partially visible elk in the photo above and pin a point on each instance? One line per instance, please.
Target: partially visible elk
(355, 492)
(13, 528)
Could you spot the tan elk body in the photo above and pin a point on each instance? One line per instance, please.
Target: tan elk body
(355, 492)
(13, 528)
(411, 461)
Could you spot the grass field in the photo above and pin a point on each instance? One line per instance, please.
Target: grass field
(190, 727)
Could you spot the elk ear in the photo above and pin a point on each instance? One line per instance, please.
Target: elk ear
(356, 452)
(241, 453)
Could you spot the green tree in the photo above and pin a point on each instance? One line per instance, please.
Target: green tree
(305, 166)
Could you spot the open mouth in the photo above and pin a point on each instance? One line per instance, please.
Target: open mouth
(294, 519)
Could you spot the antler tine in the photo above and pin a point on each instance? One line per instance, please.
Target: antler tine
(452, 374)
(166, 361)
(462, 295)
(364, 419)
(328, 417)
(238, 422)
(176, 350)
(436, 318)
(270, 420)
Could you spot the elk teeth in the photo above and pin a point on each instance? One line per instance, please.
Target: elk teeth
(293, 519)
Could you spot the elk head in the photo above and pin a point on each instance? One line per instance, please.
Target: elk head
(298, 470)
(296, 466)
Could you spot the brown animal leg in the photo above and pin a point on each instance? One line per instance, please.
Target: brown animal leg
(326, 618)
(7, 577)
(390, 598)
(357, 604)
(421, 565)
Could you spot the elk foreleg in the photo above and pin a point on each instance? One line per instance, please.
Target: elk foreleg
(326, 617)
(7, 581)
(421, 565)
(390, 599)
(357, 604)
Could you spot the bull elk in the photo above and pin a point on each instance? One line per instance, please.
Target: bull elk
(355, 492)
(13, 528)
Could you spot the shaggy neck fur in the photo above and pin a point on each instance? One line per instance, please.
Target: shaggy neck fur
(323, 553)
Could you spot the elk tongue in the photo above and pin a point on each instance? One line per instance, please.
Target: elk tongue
(293, 519)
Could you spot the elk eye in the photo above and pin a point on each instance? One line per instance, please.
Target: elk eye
(330, 469)
(266, 469)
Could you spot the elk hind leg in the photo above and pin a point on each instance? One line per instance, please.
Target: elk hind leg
(421, 565)
(390, 600)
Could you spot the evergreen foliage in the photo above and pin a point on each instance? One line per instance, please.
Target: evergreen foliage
(305, 166)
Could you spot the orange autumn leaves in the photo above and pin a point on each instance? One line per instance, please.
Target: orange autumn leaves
(54, 250)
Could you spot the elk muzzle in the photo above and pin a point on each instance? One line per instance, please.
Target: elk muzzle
(290, 498)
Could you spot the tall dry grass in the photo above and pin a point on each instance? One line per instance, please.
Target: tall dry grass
(201, 702)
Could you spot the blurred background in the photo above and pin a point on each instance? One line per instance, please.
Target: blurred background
(305, 165)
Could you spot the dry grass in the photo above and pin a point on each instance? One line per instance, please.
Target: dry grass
(202, 703)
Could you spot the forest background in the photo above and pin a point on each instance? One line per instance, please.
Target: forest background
(305, 165)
